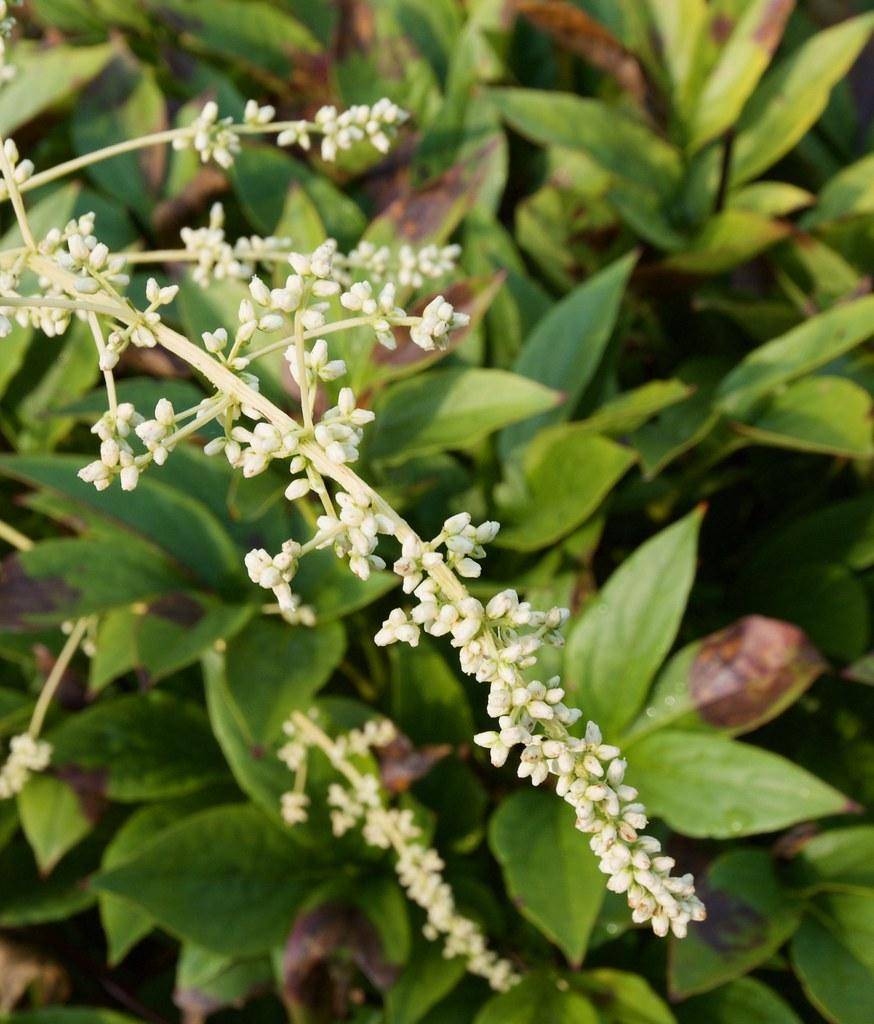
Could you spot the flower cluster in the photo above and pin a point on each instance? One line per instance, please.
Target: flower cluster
(212, 137)
(360, 802)
(354, 532)
(409, 267)
(116, 455)
(340, 130)
(218, 138)
(275, 572)
(497, 643)
(214, 258)
(21, 169)
(26, 755)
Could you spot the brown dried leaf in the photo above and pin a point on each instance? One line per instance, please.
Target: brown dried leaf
(90, 786)
(748, 673)
(24, 968)
(574, 30)
(431, 214)
(401, 764)
(21, 596)
(314, 977)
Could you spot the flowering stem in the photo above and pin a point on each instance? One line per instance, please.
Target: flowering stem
(59, 302)
(15, 196)
(108, 377)
(320, 332)
(143, 142)
(14, 537)
(128, 146)
(55, 677)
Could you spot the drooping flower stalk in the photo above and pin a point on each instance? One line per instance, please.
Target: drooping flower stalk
(364, 804)
(498, 642)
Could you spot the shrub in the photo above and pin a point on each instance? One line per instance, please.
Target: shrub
(534, 339)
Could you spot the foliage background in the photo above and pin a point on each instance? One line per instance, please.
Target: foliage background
(647, 194)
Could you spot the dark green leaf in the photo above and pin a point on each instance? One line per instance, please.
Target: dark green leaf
(538, 999)
(568, 471)
(812, 344)
(66, 579)
(616, 647)
(147, 747)
(748, 919)
(165, 515)
(452, 409)
(833, 955)
(549, 870)
(226, 878)
(745, 1001)
(840, 860)
(567, 345)
(707, 785)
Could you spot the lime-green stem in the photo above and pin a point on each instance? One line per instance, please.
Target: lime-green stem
(55, 676)
(14, 537)
(15, 195)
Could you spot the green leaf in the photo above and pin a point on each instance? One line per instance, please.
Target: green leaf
(46, 77)
(745, 1001)
(174, 520)
(67, 579)
(428, 701)
(833, 956)
(568, 471)
(615, 141)
(794, 95)
(707, 785)
(538, 999)
(67, 1015)
(150, 746)
(53, 818)
(748, 919)
(742, 61)
(840, 860)
(260, 35)
(72, 372)
(259, 773)
(567, 345)
(848, 194)
(615, 648)
(273, 669)
(812, 344)
(452, 409)
(831, 415)
(426, 979)
(532, 829)
(770, 198)
(125, 923)
(679, 24)
(208, 979)
(122, 103)
(226, 879)
(729, 238)
(630, 410)
(679, 427)
(175, 630)
(623, 998)
(27, 898)
(15, 346)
